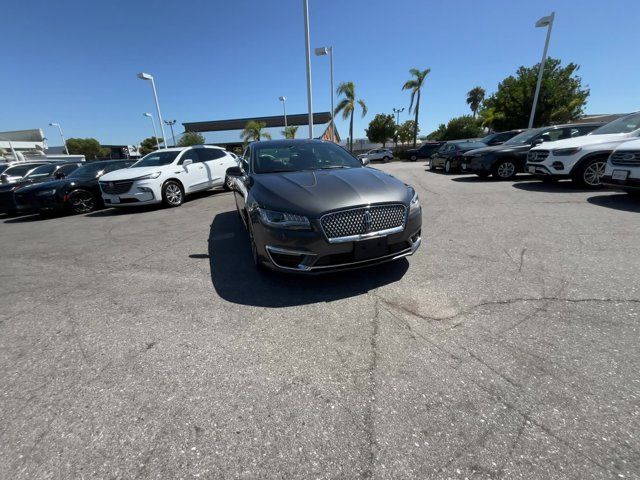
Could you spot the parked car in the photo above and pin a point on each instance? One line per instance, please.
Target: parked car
(498, 138)
(166, 176)
(424, 151)
(14, 171)
(78, 192)
(623, 168)
(43, 173)
(383, 154)
(310, 207)
(506, 160)
(449, 156)
(583, 159)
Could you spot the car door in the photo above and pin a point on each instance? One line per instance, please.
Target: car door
(216, 161)
(193, 175)
(240, 190)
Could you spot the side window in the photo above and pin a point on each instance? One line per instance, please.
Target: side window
(190, 154)
(207, 154)
(67, 169)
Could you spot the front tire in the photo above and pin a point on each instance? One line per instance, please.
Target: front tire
(504, 170)
(447, 167)
(413, 158)
(172, 194)
(386, 159)
(82, 201)
(589, 174)
(254, 250)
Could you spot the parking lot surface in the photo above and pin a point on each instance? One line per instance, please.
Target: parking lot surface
(143, 344)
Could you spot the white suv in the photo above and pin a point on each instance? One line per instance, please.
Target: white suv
(623, 168)
(167, 176)
(583, 159)
(383, 154)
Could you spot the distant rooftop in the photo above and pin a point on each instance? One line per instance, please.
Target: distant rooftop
(272, 121)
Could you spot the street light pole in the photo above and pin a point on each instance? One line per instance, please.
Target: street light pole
(323, 51)
(171, 123)
(543, 22)
(155, 132)
(64, 142)
(305, 4)
(146, 76)
(397, 111)
(284, 110)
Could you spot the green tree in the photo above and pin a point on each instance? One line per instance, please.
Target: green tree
(191, 138)
(89, 147)
(290, 131)
(148, 145)
(475, 96)
(253, 132)
(438, 134)
(415, 85)
(488, 116)
(562, 97)
(381, 129)
(458, 128)
(406, 131)
(348, 106)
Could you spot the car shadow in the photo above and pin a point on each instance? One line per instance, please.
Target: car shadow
(551, 187)
(114, 212)
(236, 279)
(473, 178)
(617, 201)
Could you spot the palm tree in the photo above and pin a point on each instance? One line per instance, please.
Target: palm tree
(488, 116)
(348, 106)
(475, 96)
(253, 132)
(290, 132)
(415, 84)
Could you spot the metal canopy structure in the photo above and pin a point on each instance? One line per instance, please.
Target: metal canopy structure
(240, 123)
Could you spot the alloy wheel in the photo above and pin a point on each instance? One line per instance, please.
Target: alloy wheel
(173, 194)
(593, 173)
(447, 166)
(506, 170)
(83, 202)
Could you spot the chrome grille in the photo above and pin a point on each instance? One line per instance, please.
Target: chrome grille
(630, 159)
(346, 224)
(537, 155)
(116, 188)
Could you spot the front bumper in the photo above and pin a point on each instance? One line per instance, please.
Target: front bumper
(142, 192)
(30, 202)
(628, 184)
(541, 170)
(309, 252)
(476, 164)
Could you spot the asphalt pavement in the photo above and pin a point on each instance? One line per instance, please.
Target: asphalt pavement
(143, 344)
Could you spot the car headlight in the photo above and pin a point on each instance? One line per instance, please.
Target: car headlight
(275, 219)
(565, 152)
(46, 193)
(150, 176)
(414, 204)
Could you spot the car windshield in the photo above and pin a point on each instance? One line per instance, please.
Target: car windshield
(524, 137)
(91, 170)
(297, 156)
(156, 159)
(622, 125)
(471, 145)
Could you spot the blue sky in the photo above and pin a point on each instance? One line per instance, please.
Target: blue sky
(75, 62)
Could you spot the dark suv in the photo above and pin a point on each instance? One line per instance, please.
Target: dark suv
(424, 151)
(506, 160)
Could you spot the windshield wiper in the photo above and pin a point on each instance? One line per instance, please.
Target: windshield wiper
(332, 167)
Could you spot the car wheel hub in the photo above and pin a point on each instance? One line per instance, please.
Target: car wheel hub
(593, 173)
(174, 195)
(506, 169)
(83, 203)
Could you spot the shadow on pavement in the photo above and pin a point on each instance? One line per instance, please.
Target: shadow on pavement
(237, 280)
(473, 178)
(617, 201)
(551, 187)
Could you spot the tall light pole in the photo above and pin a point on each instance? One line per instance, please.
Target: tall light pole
(13, 152)
(171, 123)
(543, 22)
(305, 4)
(155, 132)
(146, 76)
(320, 52)
(397, 111)
(61, 136)
(284, 110)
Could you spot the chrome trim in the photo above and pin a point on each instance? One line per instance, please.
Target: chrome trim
(284, 251)
(368, 235)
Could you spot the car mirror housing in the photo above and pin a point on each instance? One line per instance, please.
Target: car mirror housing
(365, 161)
(234, 172)
(537, 141)
(186, 162)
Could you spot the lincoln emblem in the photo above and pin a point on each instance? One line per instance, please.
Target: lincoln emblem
(367, 221)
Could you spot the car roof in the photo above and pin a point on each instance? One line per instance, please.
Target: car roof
(285, 141)
(180, 149)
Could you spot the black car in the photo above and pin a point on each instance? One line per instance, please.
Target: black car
(424, 151)
(498, 138)
(449, 156)
(42, 173)
(310, 207)
(14, 171)
(77, 193)
(506, 160)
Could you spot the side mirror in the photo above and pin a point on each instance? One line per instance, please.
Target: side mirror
(537, 141)
(365, 161)
(60, 175)
(186, 162)
(234, 172)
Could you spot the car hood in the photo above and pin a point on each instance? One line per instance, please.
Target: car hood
(585, 141)
(498, 149)
(130, 173)
(44, 185)
(22, 183)
(315, 192)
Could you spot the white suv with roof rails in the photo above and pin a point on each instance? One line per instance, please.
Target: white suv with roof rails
(583, 159)
(166, 176)
(623, 168)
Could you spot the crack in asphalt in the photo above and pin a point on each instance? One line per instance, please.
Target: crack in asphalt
(373, 366)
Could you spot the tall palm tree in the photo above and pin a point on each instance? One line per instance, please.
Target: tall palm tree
(290, 131)
(475, 96)
(253, 132)
(348, 106)
(415, 85)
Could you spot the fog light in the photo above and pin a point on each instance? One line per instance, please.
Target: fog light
(558, 165)
(145, 189)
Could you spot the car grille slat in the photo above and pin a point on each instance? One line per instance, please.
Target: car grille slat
(629, 159)
(363, 221)
(536, 156)
(116, 188)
